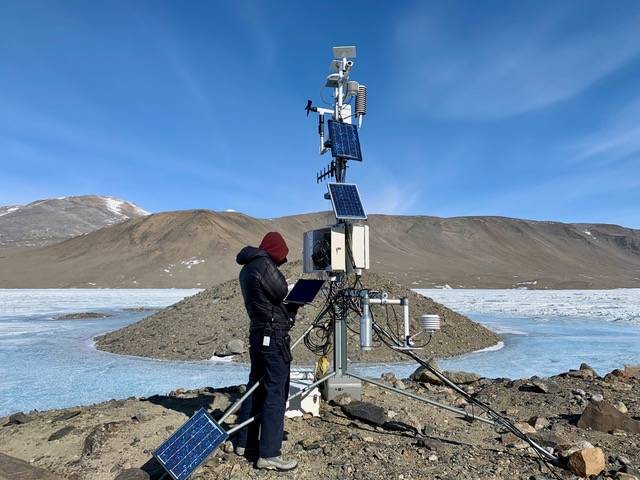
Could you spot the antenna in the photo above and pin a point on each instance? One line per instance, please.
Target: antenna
(343, 136)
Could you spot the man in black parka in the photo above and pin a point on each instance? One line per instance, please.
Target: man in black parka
(264, 288)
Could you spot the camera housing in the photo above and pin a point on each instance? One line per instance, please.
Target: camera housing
(324, 250)
(339, 248)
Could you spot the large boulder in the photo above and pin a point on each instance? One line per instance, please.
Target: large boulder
(133, 474)
(423, 375)
(236, 347)
(63, 432)
(12, 468)
(540, 385)
(604, 417)
(585, 371)
(462, 378)
(233, 347)
(367, 412)
(19, 419)
(629, 372)
(587, 462)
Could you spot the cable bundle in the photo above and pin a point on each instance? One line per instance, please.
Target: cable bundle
(342, 302)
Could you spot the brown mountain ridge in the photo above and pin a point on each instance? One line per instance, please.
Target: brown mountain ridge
(197, 248)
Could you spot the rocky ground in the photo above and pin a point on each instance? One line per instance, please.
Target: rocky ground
(204, 324)
(402, 439)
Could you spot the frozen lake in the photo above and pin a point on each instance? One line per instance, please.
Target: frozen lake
(49, 363)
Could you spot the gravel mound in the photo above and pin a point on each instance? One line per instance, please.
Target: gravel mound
(203, 324)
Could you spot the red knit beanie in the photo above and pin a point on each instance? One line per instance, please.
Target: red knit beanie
(275, 246)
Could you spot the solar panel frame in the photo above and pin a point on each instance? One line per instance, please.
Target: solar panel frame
(345, 140)
(346, 201)
(201, 435)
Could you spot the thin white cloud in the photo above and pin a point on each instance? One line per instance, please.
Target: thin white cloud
(259, 28)
(388, 195)
(496, 67)
(617, 140)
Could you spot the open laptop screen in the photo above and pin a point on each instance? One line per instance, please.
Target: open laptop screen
(304, 291)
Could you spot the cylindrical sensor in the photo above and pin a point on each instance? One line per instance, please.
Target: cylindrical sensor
(361, 100)
(365, 326)
(430, 323)
(405, 321)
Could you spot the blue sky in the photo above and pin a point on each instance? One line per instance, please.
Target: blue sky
(523, 109)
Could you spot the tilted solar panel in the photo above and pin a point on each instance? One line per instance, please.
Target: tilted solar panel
(345, 142)
(190, 445)
(346, 201)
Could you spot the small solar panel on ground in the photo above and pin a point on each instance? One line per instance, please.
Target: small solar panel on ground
(345, 142)
(346, 201)
(190, 445)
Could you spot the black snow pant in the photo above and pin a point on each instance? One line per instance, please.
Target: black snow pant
(273, 362)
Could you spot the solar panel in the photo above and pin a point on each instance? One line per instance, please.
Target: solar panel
(190, 445)
(345, 142)
(346, 201)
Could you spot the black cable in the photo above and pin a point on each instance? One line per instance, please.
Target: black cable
(499, 419)
(341, 303)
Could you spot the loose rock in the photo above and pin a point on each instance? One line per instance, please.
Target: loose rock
(133, 474)
(63, 432)
(368, 412)
(67, 415)
(625, 476)
(525, 427)
(422, 374)
(604, 417)
(587, 462)
(541, 386)
(538, 423)
(566, 450)
(389, 377)
(511, 441)
(621, 407)
(18, 419)
(142, 417)
(234, 347)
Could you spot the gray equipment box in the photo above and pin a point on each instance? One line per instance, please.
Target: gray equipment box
(336, 386)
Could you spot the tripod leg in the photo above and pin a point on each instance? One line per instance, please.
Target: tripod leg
(253, 388)
(305, 390)
(425, 400)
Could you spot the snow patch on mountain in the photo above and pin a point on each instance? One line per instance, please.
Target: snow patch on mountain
(7, 210)
(117, 206)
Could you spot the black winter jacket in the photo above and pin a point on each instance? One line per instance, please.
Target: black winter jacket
(264, 288)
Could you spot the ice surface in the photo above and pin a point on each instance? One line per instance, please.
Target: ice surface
(17, 303)
(620, 305)
(546, 332)
(47, 363)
